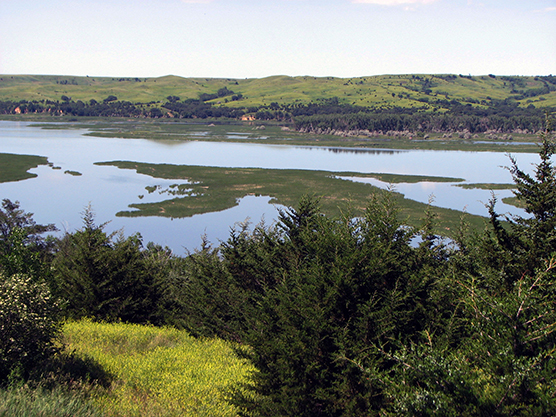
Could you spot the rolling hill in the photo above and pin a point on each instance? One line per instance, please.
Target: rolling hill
(414, 90)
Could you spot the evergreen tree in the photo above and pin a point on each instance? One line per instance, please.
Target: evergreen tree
(523, 243)
(493, 352)
(23, 247)
(339, 287)
(106, 278)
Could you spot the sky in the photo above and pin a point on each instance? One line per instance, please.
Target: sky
(256, 39)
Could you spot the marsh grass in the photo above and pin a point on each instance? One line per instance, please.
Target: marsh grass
(274, 133)
(158, 371)
(14, 167)
(514, 201)
(214, 189)
(487, 186)
(73, 173)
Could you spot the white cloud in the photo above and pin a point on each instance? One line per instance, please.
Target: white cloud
(394, 2)
(197, 1)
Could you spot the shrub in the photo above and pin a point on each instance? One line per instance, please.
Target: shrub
(310, 297)
(28, 326)
(108, 278)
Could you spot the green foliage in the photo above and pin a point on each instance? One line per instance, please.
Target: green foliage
(26, 402)
(28, 325)
(308, 297)
(493, 352)
(502, 365)
(349, 284)
(525, 243)
(23, 249)
(106, 278)
(512, 342)
(539, 195)
(203, 298)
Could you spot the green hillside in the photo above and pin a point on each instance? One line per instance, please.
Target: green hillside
(375, 91)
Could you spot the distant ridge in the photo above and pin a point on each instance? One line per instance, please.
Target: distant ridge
(425, 91)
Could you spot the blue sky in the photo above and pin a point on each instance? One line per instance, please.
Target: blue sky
(254, 39)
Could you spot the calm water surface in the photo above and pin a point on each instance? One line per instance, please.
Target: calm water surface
(60, 198)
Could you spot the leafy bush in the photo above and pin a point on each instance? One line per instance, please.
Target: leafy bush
(28, 326)
(23, 248)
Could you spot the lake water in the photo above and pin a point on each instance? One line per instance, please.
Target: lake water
(55, 197)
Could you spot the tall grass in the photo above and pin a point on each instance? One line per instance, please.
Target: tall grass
(26, 402)
(158, 371)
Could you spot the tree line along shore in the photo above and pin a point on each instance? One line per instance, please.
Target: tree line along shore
(395, 105)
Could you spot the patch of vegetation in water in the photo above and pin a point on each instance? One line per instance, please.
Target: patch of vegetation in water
(74, 173)
(486, 186)
(513, 201)
(276, 133)
(151, 188)
(408, 179)
(214, 189)
(15, 167)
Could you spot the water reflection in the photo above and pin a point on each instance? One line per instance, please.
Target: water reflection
(500, 143)
(339, 150)
(444, 194)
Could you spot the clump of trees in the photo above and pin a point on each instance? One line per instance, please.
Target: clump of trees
(348, 317)
(499, 116)
(109, 277)
(339, 316)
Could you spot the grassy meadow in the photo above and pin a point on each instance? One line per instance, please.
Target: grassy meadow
(157, 371)
(148, 372)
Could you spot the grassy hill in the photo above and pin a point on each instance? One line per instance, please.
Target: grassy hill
(375, 91)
